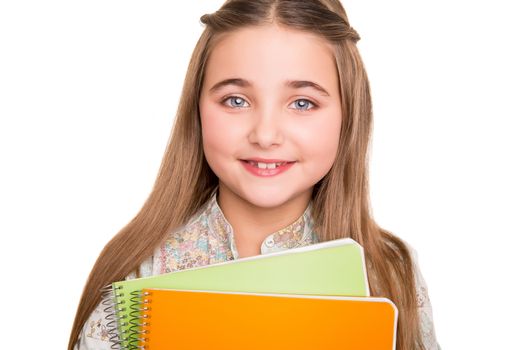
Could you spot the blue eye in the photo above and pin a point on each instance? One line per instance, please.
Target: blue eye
(237, 103)
(304, 102)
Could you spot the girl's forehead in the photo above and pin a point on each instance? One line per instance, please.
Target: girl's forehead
(271, 42)
(271, 53)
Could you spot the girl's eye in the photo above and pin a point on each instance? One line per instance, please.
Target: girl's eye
(237, 102)
(304, 102)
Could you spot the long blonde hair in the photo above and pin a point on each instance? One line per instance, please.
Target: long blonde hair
(340, 200)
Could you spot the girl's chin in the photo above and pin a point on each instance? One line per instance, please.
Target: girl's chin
(268, 199)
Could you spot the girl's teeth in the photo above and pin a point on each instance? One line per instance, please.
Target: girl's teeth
(265, 165)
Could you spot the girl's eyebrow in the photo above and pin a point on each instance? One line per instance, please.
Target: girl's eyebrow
(295, 84)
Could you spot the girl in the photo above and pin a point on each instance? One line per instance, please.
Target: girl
(268, 152)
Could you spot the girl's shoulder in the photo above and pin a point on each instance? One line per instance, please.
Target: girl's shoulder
(184, 247)
(421, 285)
(423, 302)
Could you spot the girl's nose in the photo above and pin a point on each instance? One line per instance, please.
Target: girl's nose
(266, 129)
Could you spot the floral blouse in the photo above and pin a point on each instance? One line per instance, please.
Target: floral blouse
(207, 238)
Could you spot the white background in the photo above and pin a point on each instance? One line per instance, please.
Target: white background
(89, 90)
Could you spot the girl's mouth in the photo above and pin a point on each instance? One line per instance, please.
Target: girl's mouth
(266, 169)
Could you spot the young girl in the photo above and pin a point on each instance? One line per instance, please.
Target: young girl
(268, 152)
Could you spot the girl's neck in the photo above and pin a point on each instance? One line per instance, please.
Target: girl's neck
(252, 224)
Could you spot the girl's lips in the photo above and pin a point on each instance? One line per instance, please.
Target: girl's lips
(263, 160)
(253, 169)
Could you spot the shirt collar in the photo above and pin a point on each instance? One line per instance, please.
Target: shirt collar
(297, 234)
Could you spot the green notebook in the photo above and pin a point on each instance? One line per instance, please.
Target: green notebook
(334, 268)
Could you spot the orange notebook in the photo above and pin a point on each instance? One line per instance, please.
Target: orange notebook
(183, 320)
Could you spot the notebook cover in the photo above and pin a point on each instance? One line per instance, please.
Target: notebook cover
(187, 320)
(334, 267)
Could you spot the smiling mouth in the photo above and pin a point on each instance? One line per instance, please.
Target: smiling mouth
(266, 169)
(264, 165)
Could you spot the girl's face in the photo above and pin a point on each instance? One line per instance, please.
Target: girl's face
(270, 94)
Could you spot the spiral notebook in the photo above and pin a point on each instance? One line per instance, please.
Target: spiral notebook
(334, 267)
(184, 320)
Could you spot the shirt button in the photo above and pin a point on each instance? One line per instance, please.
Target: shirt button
(269, 243)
